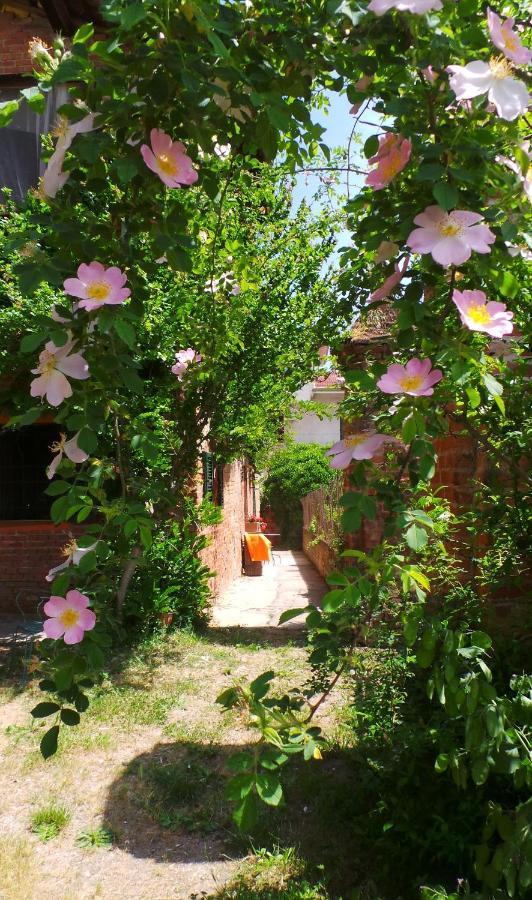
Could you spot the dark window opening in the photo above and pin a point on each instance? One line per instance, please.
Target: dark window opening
(20, 141)
(24, 456)
(213, 479)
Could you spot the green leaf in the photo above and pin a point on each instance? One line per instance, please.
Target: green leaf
(351, 519)
(269, 789)
(44, 709)
(83, 34)
(493, 387)
(446, 195)
(30, 342)
(133, 14)
(87, 440)
(333, 600)
(416, 537)
(126, 332)
(371, 146)
(36, 100)
(239, 785)
(48, 743)
(57, 487)
(63, 679)
(291, 614)
(480, 770)
(70, 717)
(245, 815)
(240, 762)
(507, 283)
(261, 685)
(7, 110)
(441, 763)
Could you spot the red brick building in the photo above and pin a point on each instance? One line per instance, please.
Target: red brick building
(29, 543)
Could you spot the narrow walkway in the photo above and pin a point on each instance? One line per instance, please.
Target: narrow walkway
(290, 581)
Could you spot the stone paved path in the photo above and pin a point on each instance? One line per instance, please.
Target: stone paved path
(288, 582)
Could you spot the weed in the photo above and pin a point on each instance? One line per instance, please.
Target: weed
(277, 874)
(48, 821)
(95, 837)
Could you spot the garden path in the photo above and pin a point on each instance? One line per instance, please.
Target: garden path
(288, 582)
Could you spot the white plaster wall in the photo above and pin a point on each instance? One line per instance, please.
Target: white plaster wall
(310, 429)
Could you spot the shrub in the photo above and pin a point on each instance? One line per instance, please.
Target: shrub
(294, 471)
(173, 577)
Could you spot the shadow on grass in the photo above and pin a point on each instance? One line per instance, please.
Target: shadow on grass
(169, 806)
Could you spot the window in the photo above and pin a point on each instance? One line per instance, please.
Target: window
(20, 141)
(24, 456)
(213, 479)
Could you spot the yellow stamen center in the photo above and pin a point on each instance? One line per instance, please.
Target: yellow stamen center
(167, 164)
(479, 314)
(68, 549)
(59, 445)
(500, 67)
(69, 618)
(98, 290)
(48, 366)
(449, 227)
(60, 128)
(354, 440)
(509, 41)
(411, 382)
(391, 166)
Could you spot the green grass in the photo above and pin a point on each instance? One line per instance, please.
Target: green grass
(48, 821)
(99, 837)
(278, 874)
(184, 792)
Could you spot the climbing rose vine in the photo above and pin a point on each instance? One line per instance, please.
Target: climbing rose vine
(164, 113)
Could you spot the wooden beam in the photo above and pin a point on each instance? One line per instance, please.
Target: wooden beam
(59, 16)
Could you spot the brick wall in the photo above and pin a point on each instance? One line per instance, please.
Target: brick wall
(27, 551)
(224, 553)
(16, 30)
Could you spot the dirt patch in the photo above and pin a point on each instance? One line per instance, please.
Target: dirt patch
(147, 763)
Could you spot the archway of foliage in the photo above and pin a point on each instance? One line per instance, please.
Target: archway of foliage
(448, 195)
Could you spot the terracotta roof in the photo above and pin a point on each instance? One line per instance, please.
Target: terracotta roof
(333, 379)
(374, 324)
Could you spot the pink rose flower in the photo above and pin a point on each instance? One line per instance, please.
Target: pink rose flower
(168, 159)
(391, 158)
(54, 364)
(96, 286)
(70, 449)
(356, 446)
(361, 85)
(69, 617)
(73, 555)
(54, 178)
(184, 358)
(417, 378)
(479, 314)
(419, 7)
(450, 237)
(509, 95)
(391, 282)
(504, 37)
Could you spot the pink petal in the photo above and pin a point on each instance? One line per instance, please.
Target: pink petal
(149, 158)
(464, 217)
(74, 635)
(74, 366)
(55, 605)
(53, 628)
(75, 453)
(57, 388)
(87, 619)
(431, 217)
(418, 367)
(449, 251)
(52, 468)
(160, 141)
(77, 600)
(75, 287)
(94, 271)
(115, 277)
(336, 448)
(422, 240)
(342, 460)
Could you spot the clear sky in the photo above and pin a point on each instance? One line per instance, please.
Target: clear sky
(338, 125)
